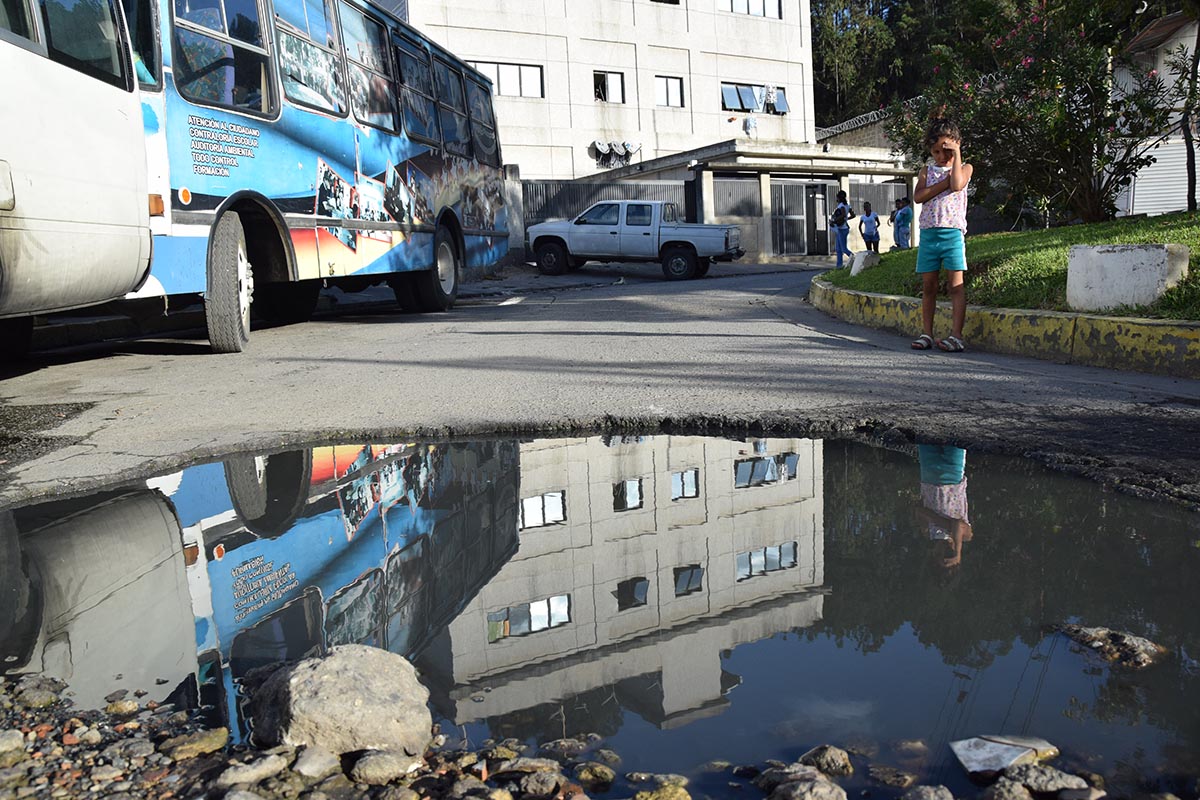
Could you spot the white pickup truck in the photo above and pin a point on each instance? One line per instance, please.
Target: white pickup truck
(633, 230)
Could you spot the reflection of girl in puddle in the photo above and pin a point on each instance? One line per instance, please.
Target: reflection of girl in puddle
(944, 497)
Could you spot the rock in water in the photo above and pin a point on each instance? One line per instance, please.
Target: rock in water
(670, 792)
(195, 744)
(595, 777)
(1119, 647)
(1043, 779)
(316, 763)
(890, 776)
(829, 759)
(252, 773)
(1004, 789)
(356, 698)
(769, 780)
(383, 767)
(928, 793)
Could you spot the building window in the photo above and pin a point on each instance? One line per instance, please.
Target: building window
(685, 484)
(627, 495)
(765, 470)
(631, 593)
(755, 8)
(610, 86)
(765, 99)
(768, 559)
(688, 580)
(530, 618)
(513, 80)
(668, 91)
(544, 509)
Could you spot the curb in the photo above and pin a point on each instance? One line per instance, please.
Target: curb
(1162, 347)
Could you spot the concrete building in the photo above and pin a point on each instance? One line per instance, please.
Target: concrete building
(640, 561)
(586, 86)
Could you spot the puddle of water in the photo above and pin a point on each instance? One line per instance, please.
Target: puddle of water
(689, 599)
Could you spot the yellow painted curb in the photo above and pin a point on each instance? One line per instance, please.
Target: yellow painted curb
(1164, 347)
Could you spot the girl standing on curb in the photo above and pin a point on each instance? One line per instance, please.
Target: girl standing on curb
(942, 187)
(841, 226)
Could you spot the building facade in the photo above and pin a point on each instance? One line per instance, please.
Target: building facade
(583, 87)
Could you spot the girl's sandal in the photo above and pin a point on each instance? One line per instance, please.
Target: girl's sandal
(951, 344)
(923, 342)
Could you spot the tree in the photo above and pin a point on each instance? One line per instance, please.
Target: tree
(1185, 65)
(1063, 122)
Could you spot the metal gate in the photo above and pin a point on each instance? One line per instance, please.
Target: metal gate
(789, 229)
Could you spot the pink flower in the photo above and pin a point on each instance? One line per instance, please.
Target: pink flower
(1026, 61)
(936, 69)
(1153, 73)
(1034, 18)
(966, 86)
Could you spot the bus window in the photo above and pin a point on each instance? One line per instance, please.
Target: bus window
(14, 17)
(312, 73)
(371, 92)
(85, 35)
(453, 105)
(420, 109)
(483, 124)
(141, 17)
(228, 69)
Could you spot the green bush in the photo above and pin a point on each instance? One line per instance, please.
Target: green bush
(1029, 269)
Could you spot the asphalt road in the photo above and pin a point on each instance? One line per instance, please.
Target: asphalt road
(740, 351)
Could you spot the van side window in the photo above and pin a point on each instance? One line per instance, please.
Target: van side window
(452, 102)
(85, 35)
(308, 58)
(15, 18)
(220, 57)
(371, 92)
(416, 93)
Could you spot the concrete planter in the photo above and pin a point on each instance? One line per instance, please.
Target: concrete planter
(1164, 347)
(1104, 277)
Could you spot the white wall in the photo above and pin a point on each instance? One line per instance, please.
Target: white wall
(570, 39)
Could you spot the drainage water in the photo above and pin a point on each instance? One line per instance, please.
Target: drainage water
(688, 599)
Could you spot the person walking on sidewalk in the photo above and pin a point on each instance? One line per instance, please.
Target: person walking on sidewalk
(942, 187)
(840, 220)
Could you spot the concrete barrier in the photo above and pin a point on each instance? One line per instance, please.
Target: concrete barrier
(1164, 347)
(1108, 276)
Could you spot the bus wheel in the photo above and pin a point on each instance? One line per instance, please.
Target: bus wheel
(269, 492)
(551, 258)
(679, 263)
(405, 291)
(286, 303)
(438, 288)
(230, 287)
(16, 338)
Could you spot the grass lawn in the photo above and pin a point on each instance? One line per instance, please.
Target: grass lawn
(1029, 269)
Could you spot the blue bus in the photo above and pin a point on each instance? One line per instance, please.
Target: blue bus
(301, 143)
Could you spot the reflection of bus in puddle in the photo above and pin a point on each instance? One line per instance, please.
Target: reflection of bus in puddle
(379, 545)
(257, 560)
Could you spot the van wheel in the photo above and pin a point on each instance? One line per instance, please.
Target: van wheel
(679, 263)
(552, 258)
(437, 288)
(230, 288)
(16, 338)
(287, 303)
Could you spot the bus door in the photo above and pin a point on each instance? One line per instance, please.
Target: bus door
(74, 216)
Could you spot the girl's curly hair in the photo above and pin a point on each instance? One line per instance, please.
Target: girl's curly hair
(939, 127)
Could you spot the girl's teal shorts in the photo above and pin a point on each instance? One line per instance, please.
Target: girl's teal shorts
(941, 248)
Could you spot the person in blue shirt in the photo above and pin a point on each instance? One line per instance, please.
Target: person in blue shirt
(901, 218)
(868, 228)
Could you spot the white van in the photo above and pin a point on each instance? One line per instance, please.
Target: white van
(74, 209)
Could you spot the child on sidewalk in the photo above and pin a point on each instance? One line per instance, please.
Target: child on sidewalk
(868, 228)
(942, 187)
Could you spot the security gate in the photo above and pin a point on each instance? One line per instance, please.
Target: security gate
(789, 229)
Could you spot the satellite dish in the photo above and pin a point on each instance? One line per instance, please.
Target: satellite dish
(632, 147)
(601, 147)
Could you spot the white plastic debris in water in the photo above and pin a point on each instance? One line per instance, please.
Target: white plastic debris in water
(983, 754)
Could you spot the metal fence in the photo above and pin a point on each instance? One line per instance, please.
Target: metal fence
(566, 199)
(737, 197)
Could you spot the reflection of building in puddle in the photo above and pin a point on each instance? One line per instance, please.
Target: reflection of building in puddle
(640, 561)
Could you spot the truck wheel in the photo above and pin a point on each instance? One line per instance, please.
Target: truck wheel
(552, 258)
(679, 263)
(574, 263)
(287, 303)
(230, 288)
(437, 288)
(702, 267)
(16, 338)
